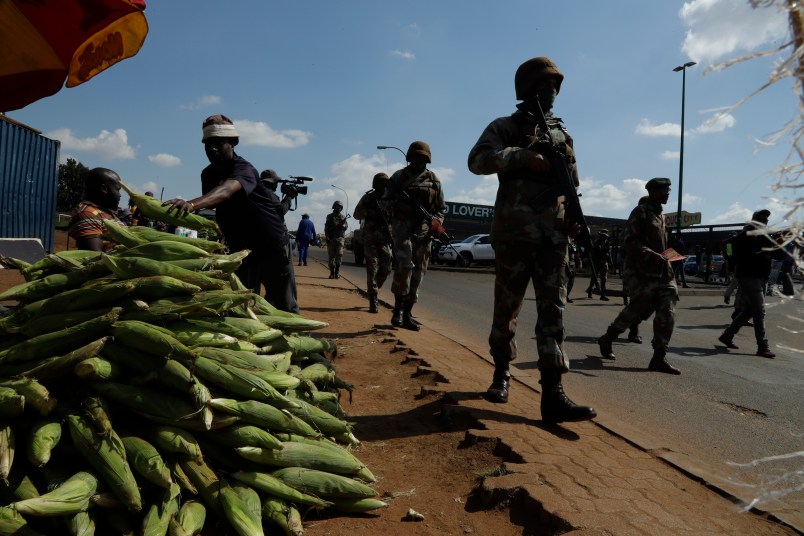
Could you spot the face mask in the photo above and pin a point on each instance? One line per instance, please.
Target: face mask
(547, 99)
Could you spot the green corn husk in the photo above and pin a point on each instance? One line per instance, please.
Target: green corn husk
(36, 395)
(300, 345)
(283, 515)
(251, 326)
(307, 455)
(357, 506)
(155, 405)
(363, 474)
(103, 456)
(14, 264)
(166, 250)
(52, 262)
(161, 286)
(292, 324)
(121, 234)
(176, 441)
(213, 324)
(69, 498)
(98, 369)
(206, 482)
(149, 339)
(56, 367)
(87, 297)
(6, 451)
(11, 522)
(189, 521)
(97, 413)
(157, 518)
(107, 500)
(246, 359)
(154, 209)
(218, 265)
(59, 342)
(81, 524)
(48, 286)
(133, 267)
(324, 484)
(318, 373)
(19, 485)
(194, 337)
(319, 419)
(181, 477)
(11, 403)
(263, 415)
(150, 234)
(56, 322)
(244, 435)
(146, 460)
(277, 488)
(238, 513)
(42, 439)
(251, 499)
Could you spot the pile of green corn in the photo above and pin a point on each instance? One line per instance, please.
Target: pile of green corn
(146, 391)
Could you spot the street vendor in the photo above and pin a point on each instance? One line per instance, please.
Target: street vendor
(101, 200)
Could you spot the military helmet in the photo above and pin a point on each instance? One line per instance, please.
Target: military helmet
(761, 216)
(337, 204)
(378, 179)
(531, 72)
(658, 182)
(419, 147)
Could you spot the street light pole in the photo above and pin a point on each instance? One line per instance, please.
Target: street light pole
(347, 200)
(383, 147)
(683, 69)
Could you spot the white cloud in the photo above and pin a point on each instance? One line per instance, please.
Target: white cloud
(717, 123)
(717, 28)
(610, 200)
(260, 133)
(483, 193)
(670, 155)
(735, 213)
(165, 160)
(689, 199)
(645, 128)
(106, 145)
(404, 54)
(203, 102)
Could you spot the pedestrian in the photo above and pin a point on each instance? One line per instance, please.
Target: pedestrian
(305, 235)
(414, 201)
(529, 235)
(376, 239)
(246, 214)
(100, 203)
(335, 231)
(753, 253)
(648, 276)
(678, 266)
(601, 258)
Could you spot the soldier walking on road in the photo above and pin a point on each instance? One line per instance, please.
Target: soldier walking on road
(529, 235)
(335, 231)
(649, 277)
(408, 189)
(601, 257)
(376, 238)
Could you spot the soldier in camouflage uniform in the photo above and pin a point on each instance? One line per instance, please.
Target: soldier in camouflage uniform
(601, 257)
(335, 230)
(529, 235)
(376, 238)
(411, 230)
(649, 277)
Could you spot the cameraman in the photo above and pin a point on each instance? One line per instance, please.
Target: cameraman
(271, 180)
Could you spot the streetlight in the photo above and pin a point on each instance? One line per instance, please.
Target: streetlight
(383, 147)
(683, 69)
(347, 199)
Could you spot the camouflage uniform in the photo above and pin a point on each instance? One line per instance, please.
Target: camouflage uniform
(376, 241)
(335, 230)
(601, 257)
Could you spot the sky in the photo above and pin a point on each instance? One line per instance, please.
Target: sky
(314, 87)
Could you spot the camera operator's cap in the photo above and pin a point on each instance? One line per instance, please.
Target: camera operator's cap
(761, 216)
(419, 147)
(218, 126)
(658, 182)
(269, 175)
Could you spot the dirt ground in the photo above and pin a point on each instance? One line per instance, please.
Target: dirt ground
(418, 456)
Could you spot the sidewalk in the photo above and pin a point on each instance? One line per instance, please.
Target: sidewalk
(578, 478)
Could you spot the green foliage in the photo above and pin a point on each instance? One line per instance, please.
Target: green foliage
(71, 184)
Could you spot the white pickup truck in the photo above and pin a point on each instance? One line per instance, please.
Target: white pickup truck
(476, 248)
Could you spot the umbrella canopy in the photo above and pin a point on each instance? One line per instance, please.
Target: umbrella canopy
(44, 42)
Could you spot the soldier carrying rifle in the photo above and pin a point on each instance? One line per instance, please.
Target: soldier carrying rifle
(377, 241)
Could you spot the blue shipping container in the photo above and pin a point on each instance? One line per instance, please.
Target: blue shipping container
(29, 171)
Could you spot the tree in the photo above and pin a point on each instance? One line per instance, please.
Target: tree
(71, 184)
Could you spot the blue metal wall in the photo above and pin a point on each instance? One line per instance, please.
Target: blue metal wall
(29, 168)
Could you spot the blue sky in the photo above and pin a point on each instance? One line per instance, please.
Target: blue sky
(314, 87)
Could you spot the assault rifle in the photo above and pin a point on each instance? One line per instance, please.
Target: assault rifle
(566, 186)
(444, 238)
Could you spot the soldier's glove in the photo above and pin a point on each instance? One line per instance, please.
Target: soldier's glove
(534, 161)
(436, 229)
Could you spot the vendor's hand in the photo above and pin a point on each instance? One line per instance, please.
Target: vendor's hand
(436, 229)
(535, 162)
(181, 206)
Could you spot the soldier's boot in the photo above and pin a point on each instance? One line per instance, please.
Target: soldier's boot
(633, 334)
(556, 406)
(659, 362)
(337, 271)
(396, 317)
(498, 390)
(589, 292)
(373, 304)
(606, 351)
(408, 322)
(332, 272)
(603, 293)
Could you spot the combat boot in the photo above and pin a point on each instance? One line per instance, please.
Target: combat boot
(396, 317)
(659, 362)
(589, 292)
(633, 334)
(606, 351)
(337, 271)
(408, 322)
(373, 305)
(332, 273)
(498, 390)
(556, 406)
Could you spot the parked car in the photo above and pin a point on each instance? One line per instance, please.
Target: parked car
(715, 265)
(476, 248)
(691, 265)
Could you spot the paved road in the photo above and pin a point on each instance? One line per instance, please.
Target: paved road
(725, 407)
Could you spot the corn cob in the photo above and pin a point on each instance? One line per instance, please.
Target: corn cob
(240, 358)
(11, 522)
(46, 287)
(176, 441)
(166, 250)
(307, 455)
(244, 435)
(157, 518)
(55, 367)
(278, 380)
(284, 515)
(238, 513)
(152, 235)
(251, 499)
(98, 369)
(291, 324)
(19, 486)
(152, 404)
(82, 298)
(58, 321)
(189, 521)
(69, 498)
(36, 395)
(276, 488)
(181, 477)
(154, 209)
(357, 506)
(120, 234)
(14, 264)
(81, 524)
(249, 325)
(42, 439)
(50, 262)
(319, 374)
(105, 459)
(363, 474)
(146, 460)
(193, 337)
(206, 482)
(6, 452)
(11, 403)
(161, 286)
(149, 339)
(131, 267)
(215, 324)
(323, 484)
(300, 345)
(107, 500)
(319, 419)
(263, 415)
(219, 265)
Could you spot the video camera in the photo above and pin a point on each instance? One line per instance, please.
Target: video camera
(292, 185)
